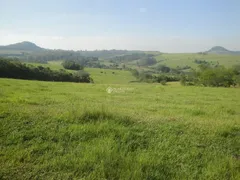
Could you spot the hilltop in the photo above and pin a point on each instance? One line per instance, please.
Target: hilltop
(22, 46)
(221, 50)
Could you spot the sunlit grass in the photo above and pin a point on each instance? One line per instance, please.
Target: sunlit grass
(54, 130)
(184, 59)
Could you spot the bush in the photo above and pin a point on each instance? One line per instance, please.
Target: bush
(211, 76)
(163, 68)
(163, 82)
(216, 77)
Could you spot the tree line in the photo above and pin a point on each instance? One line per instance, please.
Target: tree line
(142, 59)
(204, 75)
(53, 55)
(10, 68)
(150, 77)
(128, 57)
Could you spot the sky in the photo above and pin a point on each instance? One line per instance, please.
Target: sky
(157, 25)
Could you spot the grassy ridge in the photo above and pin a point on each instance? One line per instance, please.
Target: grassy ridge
(187, 59)
(174, 60)
(145, 131)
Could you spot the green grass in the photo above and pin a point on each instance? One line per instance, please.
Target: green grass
(51, 130)
(174, 60)
(187, 59)
(110, 76)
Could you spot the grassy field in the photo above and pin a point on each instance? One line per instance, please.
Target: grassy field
(174, 60)
(53, 130)
(186, 59)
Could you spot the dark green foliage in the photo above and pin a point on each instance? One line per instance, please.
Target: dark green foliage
(54, 55)
(216, 77)
(160, 68)
(163, 82)
(129, 57)
(146, 76)
(198, 61)
(183, 67)
(188, 79)
(212, 76)
(147, 61)
(135, 73)
(72, 65)
(103, 53)
(83, 76)
(163, 68)
(164, 78)
(15, 69)
(236, 69)
(44, 55)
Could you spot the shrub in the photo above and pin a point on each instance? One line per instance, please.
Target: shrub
(163, 82)
(211, 76)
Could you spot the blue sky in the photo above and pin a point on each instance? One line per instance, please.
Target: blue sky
(164, 25)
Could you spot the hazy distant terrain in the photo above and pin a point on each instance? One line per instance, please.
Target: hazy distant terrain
(28, 51)
(222, 50)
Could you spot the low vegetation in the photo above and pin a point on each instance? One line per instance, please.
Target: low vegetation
(213, 76)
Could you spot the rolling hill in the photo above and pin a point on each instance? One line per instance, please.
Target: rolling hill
(30, 52)
(22, 46)
(221, 50)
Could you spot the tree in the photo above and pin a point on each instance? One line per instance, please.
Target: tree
(72, 65)
(146, 61)
(163, 68)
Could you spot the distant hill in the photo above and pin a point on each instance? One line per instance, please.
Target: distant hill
(24, 50)
(221, 50)
(22, 46)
